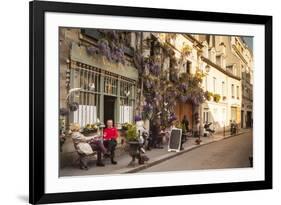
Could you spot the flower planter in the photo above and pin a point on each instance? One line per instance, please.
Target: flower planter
(133, 147)
(134, 151)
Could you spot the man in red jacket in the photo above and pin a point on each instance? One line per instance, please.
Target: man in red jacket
(110, 135)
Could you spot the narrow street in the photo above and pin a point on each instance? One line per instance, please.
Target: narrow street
(233, 152)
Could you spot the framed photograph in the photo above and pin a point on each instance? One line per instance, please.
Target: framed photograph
(130, 102)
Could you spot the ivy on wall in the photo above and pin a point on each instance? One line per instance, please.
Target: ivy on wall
(161, 88)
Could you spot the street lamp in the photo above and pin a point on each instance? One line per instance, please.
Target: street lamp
(71, 91)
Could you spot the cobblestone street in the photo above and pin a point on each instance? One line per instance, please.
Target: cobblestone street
(218, 152)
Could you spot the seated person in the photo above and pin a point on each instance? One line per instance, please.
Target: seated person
(97, 145)
(84, 146)
(110, 135)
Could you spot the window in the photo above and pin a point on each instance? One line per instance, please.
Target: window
(218, 60)
(223, 117)
(229, 68)
(96, 85)
(188, 66)
(214, 84)
(234, 71)
(206, 83)
(206, 115)
(234, 114)
(88, 79)
(232, 90)
(222, 88)
(237, 92)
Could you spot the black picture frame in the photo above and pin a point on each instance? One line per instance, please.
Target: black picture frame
(37, 11)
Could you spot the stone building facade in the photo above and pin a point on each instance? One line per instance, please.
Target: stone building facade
(222, 82)
(107, 90)
(114, 90)
(246, 58)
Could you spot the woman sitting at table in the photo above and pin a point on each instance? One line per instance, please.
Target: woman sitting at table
(85, 146)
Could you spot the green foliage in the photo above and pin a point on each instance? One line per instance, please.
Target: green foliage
(131, 133)
(126, 126)
(163, 88)
(90, 128)
(217, 97)
(186, 49)
(180, 125)
(208, 95)
(183, 128)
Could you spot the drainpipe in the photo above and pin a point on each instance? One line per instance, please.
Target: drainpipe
(141, 50)
(201, 121)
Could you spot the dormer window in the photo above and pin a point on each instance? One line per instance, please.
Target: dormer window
(219, 60)
(213, 55)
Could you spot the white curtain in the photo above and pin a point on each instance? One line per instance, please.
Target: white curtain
(126, 114)
(86, 114)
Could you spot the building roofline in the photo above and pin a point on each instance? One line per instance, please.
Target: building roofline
(190, 37)
(219, 68)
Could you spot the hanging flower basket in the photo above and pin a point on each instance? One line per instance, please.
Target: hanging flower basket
(208, 95)
(217, 98)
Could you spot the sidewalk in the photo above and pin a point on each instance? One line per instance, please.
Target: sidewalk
(156, 156)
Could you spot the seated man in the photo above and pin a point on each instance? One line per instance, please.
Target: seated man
(110, 135)
(98, 146)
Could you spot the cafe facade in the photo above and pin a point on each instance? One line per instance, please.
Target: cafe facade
(107, 90)
(104, 89)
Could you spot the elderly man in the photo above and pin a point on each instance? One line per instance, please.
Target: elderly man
(110, 135)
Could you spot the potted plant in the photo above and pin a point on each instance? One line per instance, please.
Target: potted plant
(132, 139)
(131, 133)
(186, 50)
(208, 95)
(125, 126)
(217, 98)
(89, 129)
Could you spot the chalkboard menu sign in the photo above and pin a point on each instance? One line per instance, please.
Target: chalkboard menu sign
(175, 140)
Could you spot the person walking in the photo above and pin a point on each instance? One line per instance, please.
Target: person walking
(185, 122)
